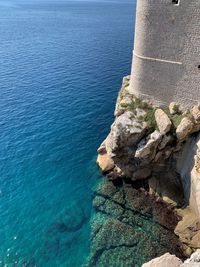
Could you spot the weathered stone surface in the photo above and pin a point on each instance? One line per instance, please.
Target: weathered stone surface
(130, 227)
(193, 261)
(196, 113)
(184, 129)
(195, 242)
(188, 228)
(168, 186)
(147, 148)
(105, 162)
(173, 108)
(166, 140)
(102, 149)
(166, 260)
(142, 173)
(125, 131)
(163, 122)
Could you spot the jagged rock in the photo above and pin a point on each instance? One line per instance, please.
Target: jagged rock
(184, 129)
(166, 260)
(188, 227)
(124, 98)
(125, 131)
(167, 140)
(142, 173)
(195, 242)
(163, 122)
(102, 149)
(105, 162)
(193, 261)
(196, 113)
(148, 147)
(173, 108)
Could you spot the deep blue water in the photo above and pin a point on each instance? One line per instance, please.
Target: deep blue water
(61, 65)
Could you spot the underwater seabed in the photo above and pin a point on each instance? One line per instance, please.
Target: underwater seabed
(129, 227)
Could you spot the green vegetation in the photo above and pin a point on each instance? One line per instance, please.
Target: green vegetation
(148, 117)
(175, 118)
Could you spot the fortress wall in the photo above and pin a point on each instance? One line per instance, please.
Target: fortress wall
(167, 52)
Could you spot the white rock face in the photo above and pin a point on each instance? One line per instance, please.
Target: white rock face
(194, 260)
(163, 122)
(167, 260)
(149, 147)
(126, 130)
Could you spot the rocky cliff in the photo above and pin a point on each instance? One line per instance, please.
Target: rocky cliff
(158, 149)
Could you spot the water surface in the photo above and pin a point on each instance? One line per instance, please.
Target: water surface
(61, 67)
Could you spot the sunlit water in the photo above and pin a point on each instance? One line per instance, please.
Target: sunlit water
(61, 65)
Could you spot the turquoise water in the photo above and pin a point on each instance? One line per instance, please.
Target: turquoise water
(61, 67)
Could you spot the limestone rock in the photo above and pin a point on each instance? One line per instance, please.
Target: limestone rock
(163, 122)
(102, 149)
(173, 108)
(196, 113)
(105, 162)
(193, 261)
(167, 260)
(184, 129)
(195, 242)
(125, 131)
(146, 149)
(188, 228)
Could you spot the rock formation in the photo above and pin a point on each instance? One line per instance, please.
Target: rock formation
(149, 145)
(168, 260)
(130, 226)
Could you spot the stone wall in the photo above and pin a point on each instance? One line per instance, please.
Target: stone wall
(166, 55)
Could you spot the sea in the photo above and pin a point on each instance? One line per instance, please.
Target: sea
(61, 67)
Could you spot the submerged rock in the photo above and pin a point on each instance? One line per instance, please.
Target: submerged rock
(130, 227)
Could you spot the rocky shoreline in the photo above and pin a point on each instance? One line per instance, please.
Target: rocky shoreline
(141, 208)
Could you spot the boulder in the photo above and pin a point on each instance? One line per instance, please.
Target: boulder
(167, 260)
(148, 148)
(193, 261)
(184, 129)
(105, 162)
(196, 113)
(126, 131)
(195, 242)
(163, 122)
(173, 108)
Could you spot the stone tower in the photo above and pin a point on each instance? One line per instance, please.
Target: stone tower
(166, 56)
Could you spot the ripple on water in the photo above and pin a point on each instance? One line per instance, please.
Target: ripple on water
(61, 68)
